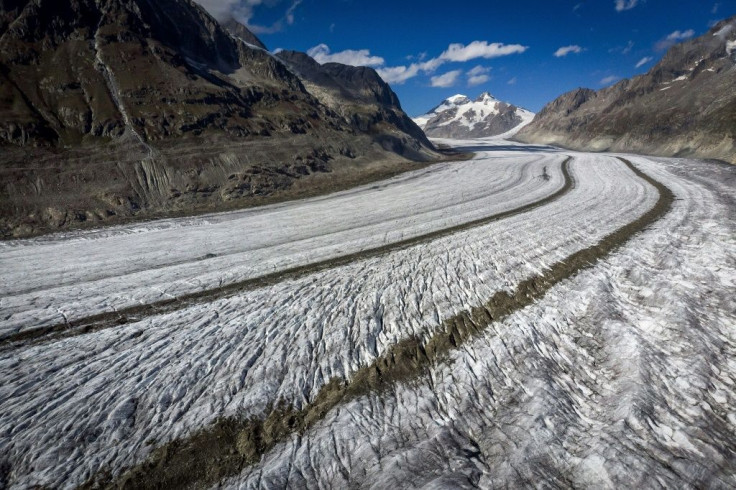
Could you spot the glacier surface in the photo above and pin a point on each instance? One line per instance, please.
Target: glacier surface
(620, 376)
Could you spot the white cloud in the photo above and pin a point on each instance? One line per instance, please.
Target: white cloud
(644, 61)
(361, 57)
(454, 53)
(609, 80)
(512, 81)
(478, 70)
(478, 75)
(447, 80)
(290, 12)
(715, 8)
(681, 35)
(565, 50)
(419, 57)
(622, 5)
(480, 49)
(224, 9)
(243, 11)
(478, 80)
(398, 74)
(623, 49)
(673, 38)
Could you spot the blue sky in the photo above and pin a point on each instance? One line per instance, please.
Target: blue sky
(525, 51)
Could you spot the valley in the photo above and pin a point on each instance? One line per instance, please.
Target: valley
(230, 258)
(116, 394)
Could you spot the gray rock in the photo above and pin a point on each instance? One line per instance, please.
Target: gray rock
(128, 109)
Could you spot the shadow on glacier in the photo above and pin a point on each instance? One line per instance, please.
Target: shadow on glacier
(519, 148)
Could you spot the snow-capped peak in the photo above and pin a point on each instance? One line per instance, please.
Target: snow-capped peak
(457, 98)
(459, 116)
(485, 96)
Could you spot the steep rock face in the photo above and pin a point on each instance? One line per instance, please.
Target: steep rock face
(684, 106)
(94, 68)
(459, 117)
(362, 98)
(119, 109)
(238, 30)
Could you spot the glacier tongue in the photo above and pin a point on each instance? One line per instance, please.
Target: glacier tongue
(622, 375)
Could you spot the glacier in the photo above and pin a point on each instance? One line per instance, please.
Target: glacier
(622, 375)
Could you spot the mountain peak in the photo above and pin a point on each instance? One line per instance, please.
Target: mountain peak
(484, 97)
(458, 99)
(460, 117)
(238, 30)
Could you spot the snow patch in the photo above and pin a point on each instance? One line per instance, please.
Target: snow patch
(724, 31)
(730, 47)
(470, 113)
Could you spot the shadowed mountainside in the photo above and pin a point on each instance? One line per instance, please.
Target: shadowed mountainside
(119, 109)
(362, 98)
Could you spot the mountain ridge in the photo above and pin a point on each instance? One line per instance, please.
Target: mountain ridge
(112, 110)
(358, 94)
(684, 106)
(460, 117)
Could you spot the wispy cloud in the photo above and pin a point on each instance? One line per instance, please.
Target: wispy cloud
(512, 81)
(455, 52)
(224, 9)
(478, 70)
(622, 5)
(715, 8)
(244, 10)
(480, 49)
(400, 74)
(289, 16)
(478, 75)
(361, 57)
(565, 50)
(447, 80)
(644, 61)
(681, 35)
(673, 38)
(610, 79)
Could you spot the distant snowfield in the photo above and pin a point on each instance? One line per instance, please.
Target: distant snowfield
(469, 113)
(621, 376)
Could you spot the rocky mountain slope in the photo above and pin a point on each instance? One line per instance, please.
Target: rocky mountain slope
(684, 106)
(460, 117)
(120, 109)
(362, 98)
(241, 32)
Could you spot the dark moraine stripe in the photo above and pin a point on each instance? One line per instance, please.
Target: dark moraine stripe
(229, 445)
(137, 313)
